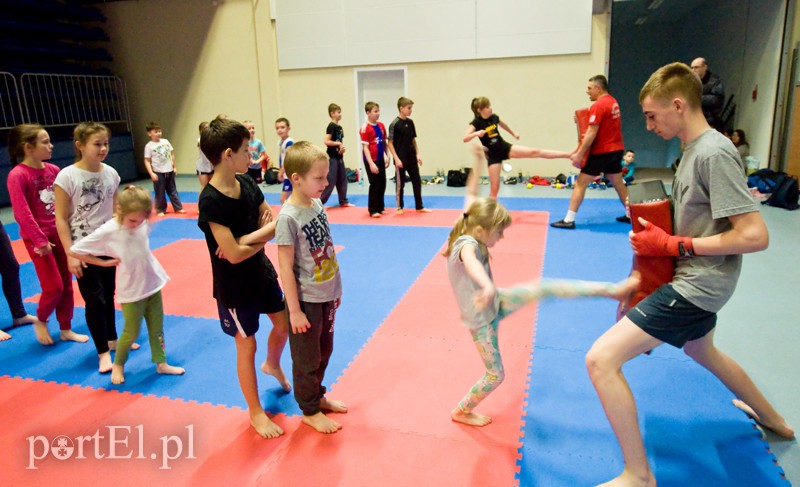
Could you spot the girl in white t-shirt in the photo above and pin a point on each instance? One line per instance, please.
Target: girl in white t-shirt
(125, 239)
(85, 196)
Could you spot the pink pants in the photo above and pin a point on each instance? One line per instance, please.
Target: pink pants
(56, 282)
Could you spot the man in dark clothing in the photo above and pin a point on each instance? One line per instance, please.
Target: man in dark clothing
(713, 92)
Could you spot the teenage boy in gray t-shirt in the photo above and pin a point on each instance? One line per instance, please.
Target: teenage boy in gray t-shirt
(311, 282)
(715, 221)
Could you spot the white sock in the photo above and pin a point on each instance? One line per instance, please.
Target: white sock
(570, 216)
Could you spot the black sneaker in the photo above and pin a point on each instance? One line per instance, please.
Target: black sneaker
(563, 224)
(624, 219)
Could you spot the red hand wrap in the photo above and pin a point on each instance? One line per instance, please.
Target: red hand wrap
(655, 242)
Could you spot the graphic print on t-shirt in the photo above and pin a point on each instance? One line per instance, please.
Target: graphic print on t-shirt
(320, 245)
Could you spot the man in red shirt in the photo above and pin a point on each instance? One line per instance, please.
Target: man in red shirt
(603, 142)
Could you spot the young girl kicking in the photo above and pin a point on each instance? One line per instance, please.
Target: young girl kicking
(125, 239)
(486, 126)
(482, 305)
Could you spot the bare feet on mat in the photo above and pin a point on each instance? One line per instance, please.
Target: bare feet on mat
(42, 333)
(4, 336)
(117, 374)
(181, 212)
(322, 423)
(777, 426)
(24, 320)
(424, 210)
(105, 363)
(332, 405)
(375, 215)
(71, 336)
(400, 211)
(277, 372)
(628, 479)
(347, 205)
(471, 418)
(264, 426)
(167, 369)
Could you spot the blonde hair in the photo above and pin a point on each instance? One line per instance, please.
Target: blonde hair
(479, 104)
(485, 213)
(133, 199)
(673, 80)
(83, 131)
(301, 156)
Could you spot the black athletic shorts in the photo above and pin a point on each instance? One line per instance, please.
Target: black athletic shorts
(671, 318)
(607, 163)
(499, 152)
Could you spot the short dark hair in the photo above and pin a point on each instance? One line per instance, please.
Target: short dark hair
(600, 81)
(628, 150)
(370, 105)
(333, 107)
(152, 126)
(220, 135)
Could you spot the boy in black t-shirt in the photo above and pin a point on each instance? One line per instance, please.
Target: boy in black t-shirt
(403, 146)
(237, 223)
(337, 174)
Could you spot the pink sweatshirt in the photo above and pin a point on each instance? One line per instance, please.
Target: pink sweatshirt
(34, 201)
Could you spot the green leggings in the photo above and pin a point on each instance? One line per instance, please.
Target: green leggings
(152, 310)
(512, 299)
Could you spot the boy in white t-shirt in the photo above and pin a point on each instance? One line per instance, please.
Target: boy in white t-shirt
(159, 160)
(282, 128)
(125, 238)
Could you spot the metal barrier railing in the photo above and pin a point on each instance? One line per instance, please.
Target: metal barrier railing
(63, 99)
(10, 107)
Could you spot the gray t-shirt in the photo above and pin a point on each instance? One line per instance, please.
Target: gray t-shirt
(709, 187)
(464, 287)
(315, 265)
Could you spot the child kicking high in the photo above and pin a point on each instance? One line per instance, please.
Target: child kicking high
(125, 238)
(237, 223)
(311, 281)
(481, 304)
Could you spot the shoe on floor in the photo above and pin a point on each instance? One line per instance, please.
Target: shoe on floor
(563, 224)
(623, 219)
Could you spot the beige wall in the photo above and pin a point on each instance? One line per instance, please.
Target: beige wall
(228, 65)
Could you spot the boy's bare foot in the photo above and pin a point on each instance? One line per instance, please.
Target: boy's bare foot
(181, 212)
(375, 215)
(71, 336)
(264, 426)
(383, 212)
(347, 204)
(167, 369)
(277, 372)
(471, 418)
(42, 333)
(332, 405)
(117, 374)
(627, 479)
(105, 363)
(424, 210)
(779, 427)
(24, 320)
(322, 423)
(112, 345)
(4, 336)
(400, 211)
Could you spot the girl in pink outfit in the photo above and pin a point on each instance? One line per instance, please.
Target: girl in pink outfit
(30, 186)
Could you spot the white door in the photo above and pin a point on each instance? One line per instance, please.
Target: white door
(383, 86)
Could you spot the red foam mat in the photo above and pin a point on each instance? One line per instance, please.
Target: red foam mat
(224, 447)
